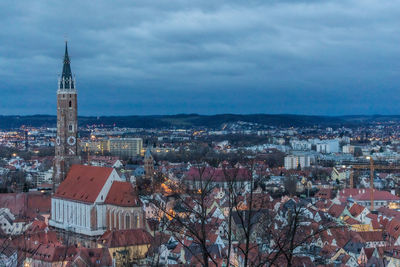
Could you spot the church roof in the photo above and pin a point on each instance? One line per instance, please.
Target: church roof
(66, 72)
(83, 183)
(122, 238)
(122, 194)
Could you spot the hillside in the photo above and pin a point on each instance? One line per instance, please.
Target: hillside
(195, 120)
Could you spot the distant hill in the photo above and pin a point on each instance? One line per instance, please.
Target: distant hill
(195, 120)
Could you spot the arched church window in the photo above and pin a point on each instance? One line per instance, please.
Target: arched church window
(127, 222)
(136, 221)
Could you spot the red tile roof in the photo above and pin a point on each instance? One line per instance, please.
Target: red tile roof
(28, 205)
(336, 210)
(351, 221)
(92, 257)
(393, 228)
(122, 194)
(378, 195)
(356, 209)
(83, 183)
(324, 193)
(371, 236)
(121, 238)
(217, 174)
(365, 195)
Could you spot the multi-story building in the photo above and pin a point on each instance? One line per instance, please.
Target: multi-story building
(300, 145)
(293, 161)
(95, 147)
(328, 146)
(128, 147)
(348, 149)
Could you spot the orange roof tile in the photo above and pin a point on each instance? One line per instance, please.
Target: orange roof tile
(356, 209)
(83, 183)
(121, 238)
(122, 194)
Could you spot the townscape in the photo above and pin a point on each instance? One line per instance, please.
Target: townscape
(239, 194)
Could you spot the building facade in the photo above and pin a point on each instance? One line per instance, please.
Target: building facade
(125, 147)
(293, 162)
(66, 145)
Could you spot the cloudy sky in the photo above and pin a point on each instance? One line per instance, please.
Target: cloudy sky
(167, 57)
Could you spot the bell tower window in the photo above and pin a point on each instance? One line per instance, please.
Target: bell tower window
(70, 104)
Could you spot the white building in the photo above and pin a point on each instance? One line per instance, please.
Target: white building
(9, 225)
(328, 146)
(348, 149)
(44, 177)
(93, 199)
(300, 145)
(293, 161)
(130, 147)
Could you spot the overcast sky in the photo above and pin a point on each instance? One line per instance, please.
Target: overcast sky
(167, 57)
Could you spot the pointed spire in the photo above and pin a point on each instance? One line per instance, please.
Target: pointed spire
(148, 155)
(66, 72)
(66, 82)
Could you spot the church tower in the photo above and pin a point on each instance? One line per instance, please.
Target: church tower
(66, 146)
(148, 165)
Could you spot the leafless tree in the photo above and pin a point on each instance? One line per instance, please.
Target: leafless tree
(190, 216)
(290, 184)
(266, 236)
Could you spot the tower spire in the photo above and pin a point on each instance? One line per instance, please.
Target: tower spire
(66, 72)
(67, 82)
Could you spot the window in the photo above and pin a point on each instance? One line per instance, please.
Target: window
(137, 220)
(127, 222)
(70, 128)
(70, 104)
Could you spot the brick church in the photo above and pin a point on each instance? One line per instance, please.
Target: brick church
(88, 200)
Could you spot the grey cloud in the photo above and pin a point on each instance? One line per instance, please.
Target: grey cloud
(163, 57)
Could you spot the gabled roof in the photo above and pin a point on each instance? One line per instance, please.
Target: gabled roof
(217, 174)
(336, 210)
(28, 205)
(92, 257)
(393, 228)
(372, 236)
(83, 183)
(351, 221)
(122, 194)
(378, 195)
(356, 209)
(122, 238)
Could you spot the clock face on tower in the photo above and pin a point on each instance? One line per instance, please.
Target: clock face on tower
(71, 140)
